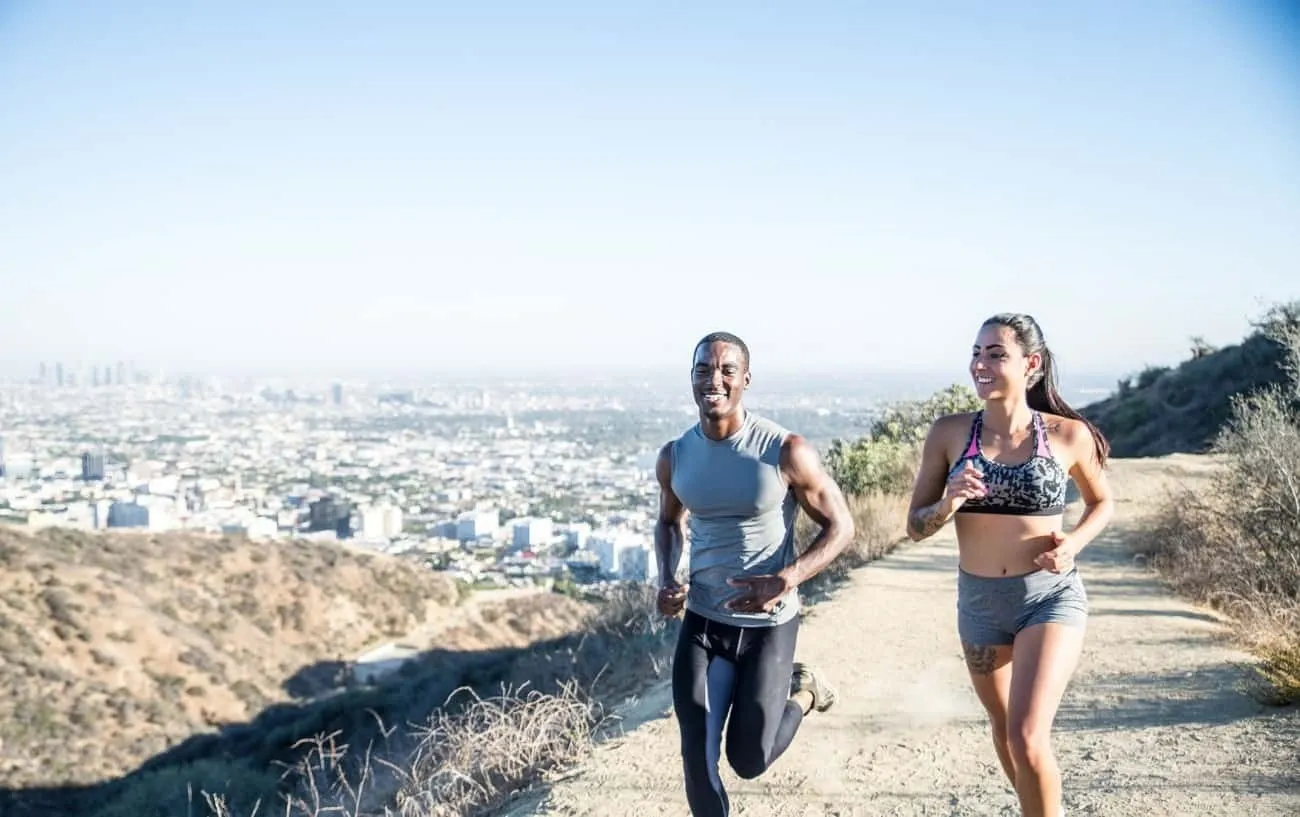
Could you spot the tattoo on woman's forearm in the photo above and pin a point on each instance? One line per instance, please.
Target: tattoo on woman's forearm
(925, 521)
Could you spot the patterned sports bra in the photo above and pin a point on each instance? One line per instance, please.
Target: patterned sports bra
(1035, 487)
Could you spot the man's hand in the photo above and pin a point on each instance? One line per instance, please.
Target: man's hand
(1060, 557)
(762, 593)
(672, 598)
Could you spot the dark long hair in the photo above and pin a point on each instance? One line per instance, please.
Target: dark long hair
(1043, 392)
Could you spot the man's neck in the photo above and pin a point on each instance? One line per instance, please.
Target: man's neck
(723, 427)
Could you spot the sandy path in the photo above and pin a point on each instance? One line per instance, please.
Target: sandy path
(1155, 722)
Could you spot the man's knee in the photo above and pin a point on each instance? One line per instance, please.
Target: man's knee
(746, 759)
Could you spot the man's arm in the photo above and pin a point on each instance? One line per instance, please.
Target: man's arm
(669, 536)
(823, 501)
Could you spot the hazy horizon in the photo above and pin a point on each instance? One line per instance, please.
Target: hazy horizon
(501, 186)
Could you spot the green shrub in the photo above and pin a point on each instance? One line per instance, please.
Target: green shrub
(1150, 375)
(885, 460)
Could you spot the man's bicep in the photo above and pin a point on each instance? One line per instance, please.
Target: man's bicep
(670, 507)
(814, 488)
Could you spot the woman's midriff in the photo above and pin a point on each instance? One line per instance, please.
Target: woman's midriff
(997, 545)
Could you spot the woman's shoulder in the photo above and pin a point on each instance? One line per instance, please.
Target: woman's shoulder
(1068, 430)
(955, 424)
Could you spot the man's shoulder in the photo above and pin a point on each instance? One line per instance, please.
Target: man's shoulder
(688, 433)
(667, 450)
(768, 426)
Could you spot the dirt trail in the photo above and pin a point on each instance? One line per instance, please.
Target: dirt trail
(1155, 723)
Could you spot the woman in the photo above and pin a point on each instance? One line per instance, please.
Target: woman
(1022, 609)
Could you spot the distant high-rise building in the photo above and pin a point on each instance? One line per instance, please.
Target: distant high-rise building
(44, 374)
(92, 467)
(128, 515)
(94, 376)
(108, 376)
(327, 513)
(58, 374)
(336, 393)
(121, 373)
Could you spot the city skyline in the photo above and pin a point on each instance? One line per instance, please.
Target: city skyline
(500, 187)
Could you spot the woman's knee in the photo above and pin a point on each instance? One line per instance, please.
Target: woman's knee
(1031, 745)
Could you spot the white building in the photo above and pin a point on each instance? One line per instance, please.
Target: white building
(533, 532)
(473, 525)
(99, 513)
(257, 527)
(637, 563)
(609, 544)
(380, 521)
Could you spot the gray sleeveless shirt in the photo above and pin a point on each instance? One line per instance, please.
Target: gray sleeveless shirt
(741, 516)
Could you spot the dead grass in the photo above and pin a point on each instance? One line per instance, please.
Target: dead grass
(880, 520)
(496, 747)
(460, 765)
(1198, 549)
(1234, 542)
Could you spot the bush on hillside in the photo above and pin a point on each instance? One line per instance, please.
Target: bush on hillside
(1162, 411)
(1237, 545)
(885, 460)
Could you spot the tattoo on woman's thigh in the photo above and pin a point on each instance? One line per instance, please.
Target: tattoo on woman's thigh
(979, 659)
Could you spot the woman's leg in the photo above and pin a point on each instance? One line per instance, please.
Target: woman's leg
(990, 674)
(1046, 656)
(986, 619)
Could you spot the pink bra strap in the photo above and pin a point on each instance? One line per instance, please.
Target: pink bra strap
(973, 447)
(1040, 432)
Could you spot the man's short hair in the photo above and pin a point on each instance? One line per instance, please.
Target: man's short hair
(723, 337)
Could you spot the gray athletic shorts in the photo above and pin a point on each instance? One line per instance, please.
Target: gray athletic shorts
(991, 610)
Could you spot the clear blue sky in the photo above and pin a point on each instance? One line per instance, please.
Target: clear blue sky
(848, 186)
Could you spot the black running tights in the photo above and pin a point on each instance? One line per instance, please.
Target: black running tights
(743, 672)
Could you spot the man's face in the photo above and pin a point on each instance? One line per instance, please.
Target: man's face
(719, 377)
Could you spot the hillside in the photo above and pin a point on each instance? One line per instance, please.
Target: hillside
(137, 642)
(1180, 410)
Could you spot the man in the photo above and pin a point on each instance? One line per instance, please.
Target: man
(742, 479)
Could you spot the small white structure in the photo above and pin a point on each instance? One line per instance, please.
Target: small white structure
(377, 662)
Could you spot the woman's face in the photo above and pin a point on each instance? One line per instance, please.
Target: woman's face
(999, 368)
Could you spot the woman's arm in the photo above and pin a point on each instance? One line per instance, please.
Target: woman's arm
(932, 503)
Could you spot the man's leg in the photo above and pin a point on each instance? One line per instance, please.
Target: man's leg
(702, 688)
(764, 719)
